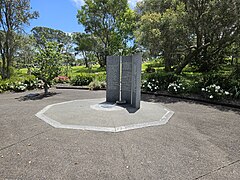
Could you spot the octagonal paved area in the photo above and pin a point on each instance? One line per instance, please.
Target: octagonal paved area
(97, 115)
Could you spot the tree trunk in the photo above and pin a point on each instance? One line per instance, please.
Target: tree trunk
(8, 68)
(185, 62)
(3, 68)
(45, 88)
(167, 63)
(86, 62)
(29, 71)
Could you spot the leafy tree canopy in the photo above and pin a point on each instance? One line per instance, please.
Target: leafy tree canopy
(110, 21)
(14, 14)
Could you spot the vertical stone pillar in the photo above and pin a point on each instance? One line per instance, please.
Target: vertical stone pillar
(136, 80)
(113, 78)
(130, 80)
(127, 79)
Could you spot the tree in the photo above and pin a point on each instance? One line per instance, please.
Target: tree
(14, 14)
(199, 30)
(216, 26)
(58, 36)
(26, 51)
(110, 21)
(51, 35)
(85, 45)
(48, 60)
(160, 31)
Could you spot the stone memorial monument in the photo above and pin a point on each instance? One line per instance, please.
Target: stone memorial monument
(124, 80)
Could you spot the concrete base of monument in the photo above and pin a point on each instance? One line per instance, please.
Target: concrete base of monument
(97, 115)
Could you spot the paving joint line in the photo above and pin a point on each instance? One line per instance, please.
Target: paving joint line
(6, 147)
(234, 162)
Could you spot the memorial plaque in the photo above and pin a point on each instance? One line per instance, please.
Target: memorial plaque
(127, 78)
(113, 79)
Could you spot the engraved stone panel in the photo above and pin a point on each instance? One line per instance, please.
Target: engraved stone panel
(136, 89)
(126, 78)
(113, 79)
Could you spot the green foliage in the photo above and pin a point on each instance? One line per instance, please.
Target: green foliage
(157, 81)
(26, 52)
(20, 84)
(85, 46)
(82, 79)
(96, 85)
(111, 22)
(149, 69)
(61, 79)
(51, 35)
(185, 32)
(214, 91)
(13, 16)
(48, 60)
(176, 88)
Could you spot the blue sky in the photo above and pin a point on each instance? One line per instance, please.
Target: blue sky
(59, 14)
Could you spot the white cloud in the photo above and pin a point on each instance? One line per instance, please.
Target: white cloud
(78, 3)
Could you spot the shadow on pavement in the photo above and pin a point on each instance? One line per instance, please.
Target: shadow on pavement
(36, 96)
(171, 100)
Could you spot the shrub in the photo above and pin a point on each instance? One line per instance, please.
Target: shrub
(20, 84)
(82, 80)
(157, 81)
(149, 69)
(95, 85)
(214, 91)
(61, 79)
(100, 76)
(176, 88)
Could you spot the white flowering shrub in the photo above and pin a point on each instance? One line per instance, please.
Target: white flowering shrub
(18, 86)
(214, 91)
(176, 88)
(151, 85)
(153, 82)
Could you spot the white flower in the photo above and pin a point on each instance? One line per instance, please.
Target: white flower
(183, 88)
(227, 93)
(203, 89)
(217, 87)
(211, 96)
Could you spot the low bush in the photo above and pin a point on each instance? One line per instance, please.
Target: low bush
(176, 88)
(95, 85)
(82, 80)
(157, 81)
(61, 79)
(20, 84)
(214, 91)
(149, 69)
